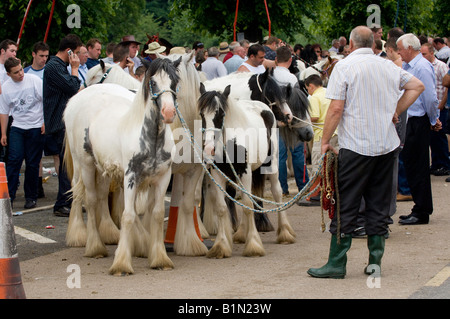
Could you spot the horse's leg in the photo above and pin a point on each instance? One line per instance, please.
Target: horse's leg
(109, 233)
(76, 234)
(198, 195)
(157, 255)
(187, 242)
(122, 259)
(94, 245)
(253, 243)
(117, 205)
(223, 243)
(209, 217)
(285, 233)
(140, 231)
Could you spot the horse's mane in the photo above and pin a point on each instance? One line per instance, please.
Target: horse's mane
(117, 75)
(297, 101)
(160, 65)
(209, 101)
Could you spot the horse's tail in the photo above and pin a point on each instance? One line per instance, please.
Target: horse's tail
(263, 223)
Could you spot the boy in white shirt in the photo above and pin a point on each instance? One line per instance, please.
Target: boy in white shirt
(22, 97)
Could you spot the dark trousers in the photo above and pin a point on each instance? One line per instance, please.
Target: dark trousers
(439, 145)
(369, 178)
(25, 145)
(416, 156)
(64, 197)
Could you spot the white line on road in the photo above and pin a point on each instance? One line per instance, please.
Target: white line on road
(32, 236)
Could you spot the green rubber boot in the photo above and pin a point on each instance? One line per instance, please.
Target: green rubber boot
(375, 243)
(337, 259)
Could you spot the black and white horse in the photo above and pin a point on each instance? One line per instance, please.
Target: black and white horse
(110, 138)
(241, 133)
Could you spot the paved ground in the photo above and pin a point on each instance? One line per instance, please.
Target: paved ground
(416, 263)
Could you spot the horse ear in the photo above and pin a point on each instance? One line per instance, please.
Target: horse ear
(177, 62)
(102, 65)
(330, 59)
(265, 75)
(202, 88)
(191, 56)
(288, 91)
(226, 92)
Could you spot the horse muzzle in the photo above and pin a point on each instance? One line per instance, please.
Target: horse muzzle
(168, 112)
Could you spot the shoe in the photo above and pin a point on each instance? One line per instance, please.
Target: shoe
(413, 220)
(403, 198)
(62, 211)
(285, 193)
(307, 202)
(29, 203)
(41, 193)
(337, 259)
(440, 172)
(359, 232)
(447, 179)
(405, 216)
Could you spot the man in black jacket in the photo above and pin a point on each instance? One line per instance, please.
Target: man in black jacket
(59, 87)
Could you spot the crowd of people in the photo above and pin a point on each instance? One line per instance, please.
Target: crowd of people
(403, 79)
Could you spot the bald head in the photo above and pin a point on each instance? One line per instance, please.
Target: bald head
(362, 37)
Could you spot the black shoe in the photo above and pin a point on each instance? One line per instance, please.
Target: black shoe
(359, 232)
(447, 179)
(404, 216)
(62, 211)
(412, 220)
(41, 193)
(440, 172)
(29, 203)
(306, 202)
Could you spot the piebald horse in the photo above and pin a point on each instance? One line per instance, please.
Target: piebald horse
(112, 139)
(324, 68)
(241, 133)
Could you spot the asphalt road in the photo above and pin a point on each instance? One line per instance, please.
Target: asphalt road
(416, 264)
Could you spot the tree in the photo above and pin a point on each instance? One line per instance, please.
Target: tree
(218, 17)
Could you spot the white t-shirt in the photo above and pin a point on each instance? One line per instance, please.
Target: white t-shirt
(3, 75)
(23, 100)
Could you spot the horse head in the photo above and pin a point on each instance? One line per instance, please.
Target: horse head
(111, 73)
(300, 128)
(160, 84)
(212, 106)
(264, 88)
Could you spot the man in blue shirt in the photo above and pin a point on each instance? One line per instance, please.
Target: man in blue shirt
(40, 57)
(421, 114)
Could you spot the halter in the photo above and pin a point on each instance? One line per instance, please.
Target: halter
(260, 90)
(104, 76)
(156, 95)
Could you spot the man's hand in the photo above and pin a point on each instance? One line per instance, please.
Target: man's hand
(437, 127)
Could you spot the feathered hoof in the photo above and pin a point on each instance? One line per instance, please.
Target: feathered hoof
(109, 233)
(263, 223)
(253, 249)
(76, 235)
(239, 237)
(219, 251)
(97, 252)
(285, 236)
(162, 264)
(121, 272)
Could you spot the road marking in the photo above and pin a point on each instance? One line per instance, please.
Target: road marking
(32, 236)
(439, 279)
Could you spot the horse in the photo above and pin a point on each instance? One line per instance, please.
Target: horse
(161, 41)
(111, 73)
(263, 88)
(111, 139)
(76, 230)
(186, 170)
(246, 129)
(324, 68)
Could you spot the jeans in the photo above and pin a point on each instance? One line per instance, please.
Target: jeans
(25, 145)
(64, 198)
(298, 162)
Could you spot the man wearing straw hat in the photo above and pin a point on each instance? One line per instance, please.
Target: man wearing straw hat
(154, 48)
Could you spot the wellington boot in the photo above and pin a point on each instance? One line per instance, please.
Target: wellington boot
(337, 259)
(375, 243)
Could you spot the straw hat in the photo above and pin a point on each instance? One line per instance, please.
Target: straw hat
(223, 47)
(177, 50)
(154, 48)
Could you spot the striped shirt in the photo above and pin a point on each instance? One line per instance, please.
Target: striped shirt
(59, 87)
(370, 86)
(440, 70)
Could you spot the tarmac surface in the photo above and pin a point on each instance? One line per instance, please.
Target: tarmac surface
(416, 263)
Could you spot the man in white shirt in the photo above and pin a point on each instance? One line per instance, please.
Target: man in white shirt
(367, 140)
(40, 57)
(22, 97)
(213, 67)
(8, 49)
